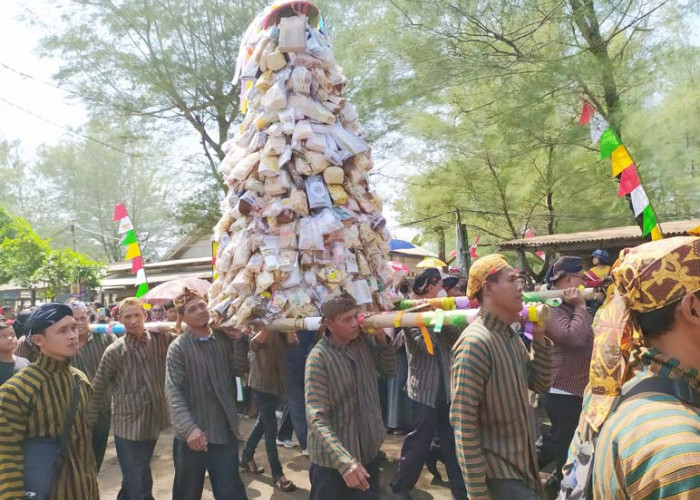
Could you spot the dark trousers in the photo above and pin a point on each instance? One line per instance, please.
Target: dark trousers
(221, 460)
(428, 421)
(266, 425)
(294, 415)
(328, 484)
(100, 435)
(510, 489)
(564, 412)
(135, 462)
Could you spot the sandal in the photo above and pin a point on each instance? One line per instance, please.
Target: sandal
(284, 484)
(252, 467)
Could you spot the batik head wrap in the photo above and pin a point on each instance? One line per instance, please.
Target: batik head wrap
(645, 278)
(481, 269)
(181, 300)
(46, 315)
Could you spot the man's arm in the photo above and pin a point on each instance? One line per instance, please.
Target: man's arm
(471, 367)
(106, 371)
(383, 352)
(175, 377)
(14, 414)
(317, 410)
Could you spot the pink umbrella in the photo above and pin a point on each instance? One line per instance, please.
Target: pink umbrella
(167, 291)
(399, 266)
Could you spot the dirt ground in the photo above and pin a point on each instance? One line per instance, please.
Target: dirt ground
(259, 487)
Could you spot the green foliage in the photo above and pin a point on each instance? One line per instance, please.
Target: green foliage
(63, 267)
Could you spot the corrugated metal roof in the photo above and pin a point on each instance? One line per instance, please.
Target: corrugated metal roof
(610, 236)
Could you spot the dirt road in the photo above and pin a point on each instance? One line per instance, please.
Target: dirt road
(296, 467)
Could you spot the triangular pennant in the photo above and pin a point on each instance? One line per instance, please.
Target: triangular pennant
(586, 113)
(620, 159)
(639, 200)
(656, 233)
(141, 276)
(132, 251)
(136, 264)
(649, 220)
(125, 225)
(629, 181)
(598, 126)
(129, 238)
(609, 142)
(119, 212)
(141, 290)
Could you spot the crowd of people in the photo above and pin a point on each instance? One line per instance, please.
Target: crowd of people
(620, 391)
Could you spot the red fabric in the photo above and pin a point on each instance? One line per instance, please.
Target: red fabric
(586, 113)
(136, 264)
(119, 212)
(629, 180)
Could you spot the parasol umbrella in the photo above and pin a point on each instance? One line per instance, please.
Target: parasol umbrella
(167, 291)
(398, 266)
(431, 263)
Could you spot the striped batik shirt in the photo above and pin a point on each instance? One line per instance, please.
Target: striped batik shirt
(88, 358)
(342, 401)
(491, 374)
(429, 374)
(35, 403)
(26, 350)
(200, 384)
(132, 369)
(268, 364)
(571, 331)
(650, 446)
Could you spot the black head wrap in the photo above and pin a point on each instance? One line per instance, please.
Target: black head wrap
(46, 315)
(430, 276)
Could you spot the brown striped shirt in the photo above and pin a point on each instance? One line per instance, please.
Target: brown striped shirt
(342, 401)
(491, 373)
(133, 369)
(35, 403)
(26, 350)
(88, 358)
(571, 331)
(429, 374)
(267, 364)
(200, 384)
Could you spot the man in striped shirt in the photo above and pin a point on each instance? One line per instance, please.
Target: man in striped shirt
(132, 370)
(491, 374)
(92, 346)
(649, 446)
(570, 327)
(428, 388)
(35, 404)
(200, 386)
(342, 404)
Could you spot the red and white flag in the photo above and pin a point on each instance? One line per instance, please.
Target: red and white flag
(472, 249)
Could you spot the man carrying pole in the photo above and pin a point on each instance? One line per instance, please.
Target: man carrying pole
(491, 373)
(342, 404)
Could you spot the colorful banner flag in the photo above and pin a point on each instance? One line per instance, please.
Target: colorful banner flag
(133, 250)
(609, 142)
(620, 160)
(586, 113)
(639, 200)
(598, 126)
(648, 221)
(472, 249)
(629, 181)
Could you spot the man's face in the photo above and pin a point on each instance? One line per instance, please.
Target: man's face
(8, 341)
(60, 340)
(133, 318)
(9, 313)
(195, 313)
(570, 280)
(171, 314)
(344, 327)
(506, 292)
(82, 321)
(157, 313)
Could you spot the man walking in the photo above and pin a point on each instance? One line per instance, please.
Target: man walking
(132, 369)
(37, 403)
(92, 347)
(491, 374)
(342, 405)
(428, 388)
(571, 331)
(200, 386)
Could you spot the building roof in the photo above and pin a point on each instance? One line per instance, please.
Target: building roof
(612, 237)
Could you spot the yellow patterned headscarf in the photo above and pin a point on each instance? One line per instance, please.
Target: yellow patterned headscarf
(645, 278)
(181, 299)
(481, 269)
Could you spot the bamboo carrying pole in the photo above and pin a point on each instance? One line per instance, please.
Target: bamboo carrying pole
(449, 303)
(459, 318)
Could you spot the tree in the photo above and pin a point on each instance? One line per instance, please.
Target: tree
(87, 179)
(63, 267)
(22, 252)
